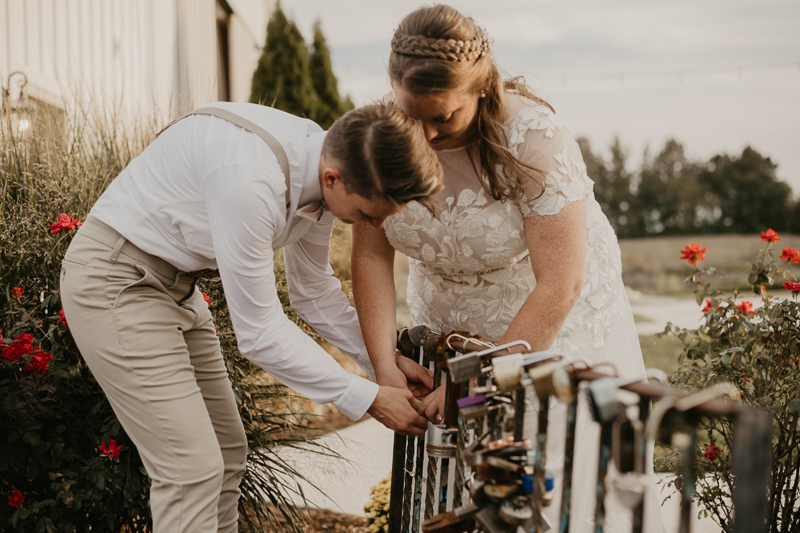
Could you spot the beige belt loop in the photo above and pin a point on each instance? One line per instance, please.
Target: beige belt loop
(118, 248)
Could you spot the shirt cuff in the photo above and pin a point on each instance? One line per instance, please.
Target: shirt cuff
(357, 398)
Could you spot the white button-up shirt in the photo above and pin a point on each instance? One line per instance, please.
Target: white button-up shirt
(207, 194)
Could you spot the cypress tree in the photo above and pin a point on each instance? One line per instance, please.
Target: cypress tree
(331, 106)
(282, 78)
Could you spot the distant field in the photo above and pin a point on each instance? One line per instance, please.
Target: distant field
(653, 264)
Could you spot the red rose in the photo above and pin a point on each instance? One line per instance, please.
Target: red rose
(38, 362)
(746, 308)
(17, 292)
(712, 453)
(206, 298)
(693, 253)
(65, 221)
(792, 286)
(791, 254)
(15, 499)
(112, 450)
(707, 307)
(21, 346)
(62, 318)
(769, 236)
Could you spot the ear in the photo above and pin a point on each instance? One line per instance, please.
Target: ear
(330, 175)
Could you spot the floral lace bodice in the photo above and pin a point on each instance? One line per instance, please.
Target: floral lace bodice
(470, 267)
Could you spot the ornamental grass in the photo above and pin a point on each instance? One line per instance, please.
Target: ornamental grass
(66, 464)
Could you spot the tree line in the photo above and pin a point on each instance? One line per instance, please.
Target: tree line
(668, 195)
(672, 195)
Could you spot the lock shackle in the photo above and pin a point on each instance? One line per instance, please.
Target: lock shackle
(494, 349)
(684, 404)
(616, 437)
(698, 398)
(465, 341)
(587, 363)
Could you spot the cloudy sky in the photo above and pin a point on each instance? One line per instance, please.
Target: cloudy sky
(717, 75)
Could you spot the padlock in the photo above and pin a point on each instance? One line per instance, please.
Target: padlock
(439, 441)
(459, 520)
(470, 365)
(542, 380)
(477, 493)
(487, 472)
(629, 483)
(516, 511)
(504, 464)
(488, 520)
(507, 372)
(500, 491)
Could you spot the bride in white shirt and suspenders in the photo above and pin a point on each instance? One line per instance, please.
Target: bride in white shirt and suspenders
(213, 196)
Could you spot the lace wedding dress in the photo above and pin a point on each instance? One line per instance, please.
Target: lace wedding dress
(469, 269)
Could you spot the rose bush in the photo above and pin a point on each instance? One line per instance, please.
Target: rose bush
(757, 348)
(66, 465)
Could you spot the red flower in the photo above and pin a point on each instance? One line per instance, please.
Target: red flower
(112, 450)
(207, 299)
(65, 221)
(17, 292)
(792, 286)
(15, 499)
(712, 453)
(791, 254)
(38, 362)
(746, 308)
(707, 307)
(693, 253)
(21, 346)
(769, 236)
(62, 318)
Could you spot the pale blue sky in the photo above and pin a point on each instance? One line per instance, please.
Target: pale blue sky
(572, 53)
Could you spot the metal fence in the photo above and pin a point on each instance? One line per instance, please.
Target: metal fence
(475, 471)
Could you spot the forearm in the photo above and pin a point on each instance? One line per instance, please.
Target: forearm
(542, 315)
(372, 267)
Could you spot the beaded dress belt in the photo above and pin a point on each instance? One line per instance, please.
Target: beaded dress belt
(272, 142)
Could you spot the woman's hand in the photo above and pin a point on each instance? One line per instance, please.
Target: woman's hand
(419, 379)
(432, 407)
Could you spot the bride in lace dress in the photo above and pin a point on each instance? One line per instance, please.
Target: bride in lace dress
(518, 248)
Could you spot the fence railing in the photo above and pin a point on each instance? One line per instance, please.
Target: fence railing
(477, 471)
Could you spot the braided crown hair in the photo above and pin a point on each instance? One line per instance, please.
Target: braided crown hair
(437, 49)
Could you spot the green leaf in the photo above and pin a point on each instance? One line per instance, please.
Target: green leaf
(793, 407)
(726, 359)
(100, 481)
(32, 438)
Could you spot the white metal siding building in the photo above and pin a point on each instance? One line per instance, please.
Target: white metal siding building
(167, 55)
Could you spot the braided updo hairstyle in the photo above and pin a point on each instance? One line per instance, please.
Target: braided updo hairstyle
(437, 49)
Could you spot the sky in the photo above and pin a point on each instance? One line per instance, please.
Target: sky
(716, 75)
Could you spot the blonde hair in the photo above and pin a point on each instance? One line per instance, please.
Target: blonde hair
(381, 151)
(437, 49)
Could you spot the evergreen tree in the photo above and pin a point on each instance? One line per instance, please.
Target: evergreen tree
(612, 187)
(745, 194)
(282, 78)
(331, 105)
(668, 193)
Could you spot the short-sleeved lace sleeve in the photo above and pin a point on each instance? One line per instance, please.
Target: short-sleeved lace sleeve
(537, 138)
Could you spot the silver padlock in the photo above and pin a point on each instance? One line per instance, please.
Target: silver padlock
(602, 394)
(468, 366)
(440, 441)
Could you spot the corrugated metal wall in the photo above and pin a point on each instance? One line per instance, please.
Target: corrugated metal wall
(134, 53)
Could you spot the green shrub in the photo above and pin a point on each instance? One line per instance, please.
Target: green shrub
(758, 350)
(55, 420)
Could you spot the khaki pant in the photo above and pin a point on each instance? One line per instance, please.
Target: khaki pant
(148, 337)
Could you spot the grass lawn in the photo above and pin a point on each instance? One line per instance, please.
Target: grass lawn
(661, 352)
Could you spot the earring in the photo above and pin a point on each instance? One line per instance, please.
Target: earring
(483, 94)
